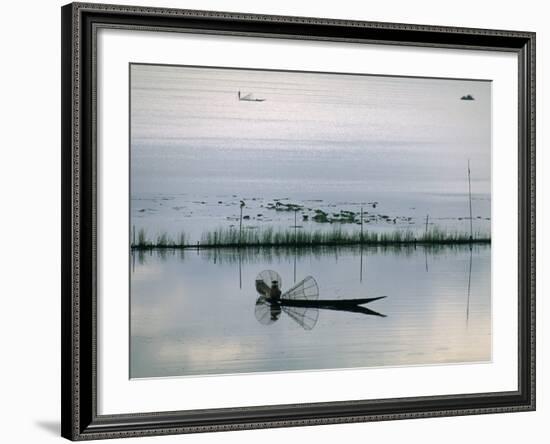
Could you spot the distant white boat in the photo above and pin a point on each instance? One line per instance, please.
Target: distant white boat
(248, 97)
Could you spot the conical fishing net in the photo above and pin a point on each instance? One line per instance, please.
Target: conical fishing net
(306, 290)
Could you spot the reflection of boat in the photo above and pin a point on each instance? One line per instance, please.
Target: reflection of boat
(248, 97)
(467, 97)
(301, 302)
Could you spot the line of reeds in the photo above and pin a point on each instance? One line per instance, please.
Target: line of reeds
(162, 240)
(270, 237)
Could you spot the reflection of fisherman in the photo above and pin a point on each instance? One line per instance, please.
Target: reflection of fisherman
(274, 291)
(275, 310)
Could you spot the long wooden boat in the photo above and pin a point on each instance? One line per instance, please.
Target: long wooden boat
(305, 294)
(322, 303)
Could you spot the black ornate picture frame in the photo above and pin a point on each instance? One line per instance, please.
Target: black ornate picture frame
(80, 419)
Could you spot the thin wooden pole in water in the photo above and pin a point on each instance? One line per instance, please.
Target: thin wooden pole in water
(241, 225)
(470, 198)
(426, 256)
(426, 232)
(361, 250)
(361, 263)
(361, 225)
(469, 287)
(295, 254)
(240, 270)
(133, 235)
(295, 241)
(295, 228)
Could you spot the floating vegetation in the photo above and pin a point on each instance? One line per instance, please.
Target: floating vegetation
(281, 206)
(269, 237)
(351, 217)
(332, 214)
(320, 216)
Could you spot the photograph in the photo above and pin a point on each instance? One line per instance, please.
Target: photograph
(295, 217)
(302, 221)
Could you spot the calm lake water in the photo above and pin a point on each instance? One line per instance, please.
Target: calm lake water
(323, 141)
(194, 312)
(396, 148)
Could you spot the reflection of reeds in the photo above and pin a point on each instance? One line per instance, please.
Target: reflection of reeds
(277, 254)
(269, 237)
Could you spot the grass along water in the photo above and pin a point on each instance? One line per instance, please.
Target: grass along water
(270, 237)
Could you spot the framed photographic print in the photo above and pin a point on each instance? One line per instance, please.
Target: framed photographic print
(280, 221)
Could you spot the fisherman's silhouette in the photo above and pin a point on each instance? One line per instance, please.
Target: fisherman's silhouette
(301, 302)
(274, 291)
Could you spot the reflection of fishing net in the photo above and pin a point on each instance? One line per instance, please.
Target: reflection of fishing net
(265, 312)
(268, 312)
(306, 317)
(306, 290)
(265, 279)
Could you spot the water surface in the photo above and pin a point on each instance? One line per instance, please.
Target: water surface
(396, 148)
(193, 312)
(325, 141)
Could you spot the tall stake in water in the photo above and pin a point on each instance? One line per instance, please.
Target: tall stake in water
(295, 241)
(426, 238)
(469, 286)
(241, 222)
(295, 254)
(470, 198)
(426, 231)
(295, 227)
(361, 250)
(240, 270)
(361, 225)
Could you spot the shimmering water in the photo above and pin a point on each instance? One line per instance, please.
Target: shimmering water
(329, 142)
(193, 312)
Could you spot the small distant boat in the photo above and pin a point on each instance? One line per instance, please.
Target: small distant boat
(248, 97)
(467, 97)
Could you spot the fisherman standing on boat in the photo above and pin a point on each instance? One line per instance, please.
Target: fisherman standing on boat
(274, 291)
